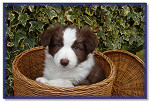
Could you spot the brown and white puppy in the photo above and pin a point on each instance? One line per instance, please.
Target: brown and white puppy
(69, 57)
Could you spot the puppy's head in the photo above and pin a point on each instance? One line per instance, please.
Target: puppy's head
(68, 45)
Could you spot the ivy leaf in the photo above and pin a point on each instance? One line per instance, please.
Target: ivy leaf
(36, 26)
(11, 17)
(94, 7)
(123, 32)
(19, 35)
(110, 46)
(139, 15)
(23, 18)
(113, 8)
(48, 7)
(30, 42)
(51, 14)
(126, 10)
(103, 37)
(57, 9)
(111, 27)
(31, 8)
(125, 38)
(40, 26)
(108, 13)
(132, 31)
(114, 46)
(7, 29)
(131, 15)
(117, 44)
(69, 15)
(18, 9)
(7, 55)
(101, 34)
(134, 17)
(115, 33)
(108, 43)
(9, 33)
(122, 22)
(10, 44)
(42, 10)
(79, 23)
(103, 7)
(61, 19)
(78, 13)
(124, 47)
(137, 22)
(89, 11)
(13, 20)
(33, 26)
(120, 39)
(70, 18)
(87, 20)
(69, 12)
(43, 18)
(139, 41)
(131, 40)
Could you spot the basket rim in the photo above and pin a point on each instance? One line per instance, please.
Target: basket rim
(125, 52)
(40, 85)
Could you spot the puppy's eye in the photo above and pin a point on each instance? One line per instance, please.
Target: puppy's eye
(59, 45)
(76, 47)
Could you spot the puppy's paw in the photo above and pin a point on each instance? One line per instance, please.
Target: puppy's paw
(42, 80)
(60, 83)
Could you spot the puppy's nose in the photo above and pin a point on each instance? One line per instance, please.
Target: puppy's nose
(64, 62)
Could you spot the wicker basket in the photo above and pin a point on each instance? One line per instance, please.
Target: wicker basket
(129, 79)
(28, 65)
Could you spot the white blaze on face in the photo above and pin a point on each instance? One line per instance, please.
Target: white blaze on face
(69, 37)
(66, 52)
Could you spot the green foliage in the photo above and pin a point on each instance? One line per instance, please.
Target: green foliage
(140, 54)
(117, 27)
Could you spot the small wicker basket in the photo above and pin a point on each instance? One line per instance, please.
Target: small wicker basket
(129, 79)
(28, 65)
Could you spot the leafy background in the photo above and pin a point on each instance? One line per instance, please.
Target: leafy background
(116, 26)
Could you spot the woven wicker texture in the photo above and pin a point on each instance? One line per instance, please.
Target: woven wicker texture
(28, 65)
(129, 73)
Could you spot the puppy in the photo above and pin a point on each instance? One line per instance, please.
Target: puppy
(69, 57)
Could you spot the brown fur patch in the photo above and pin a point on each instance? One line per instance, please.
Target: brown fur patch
(96, 75)
(46, 36)
(90, 39)
(86, 42)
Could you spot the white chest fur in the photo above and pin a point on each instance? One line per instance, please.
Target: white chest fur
(76, 74)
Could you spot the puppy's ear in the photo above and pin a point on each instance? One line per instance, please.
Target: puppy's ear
(47, 35)
(90, 39)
